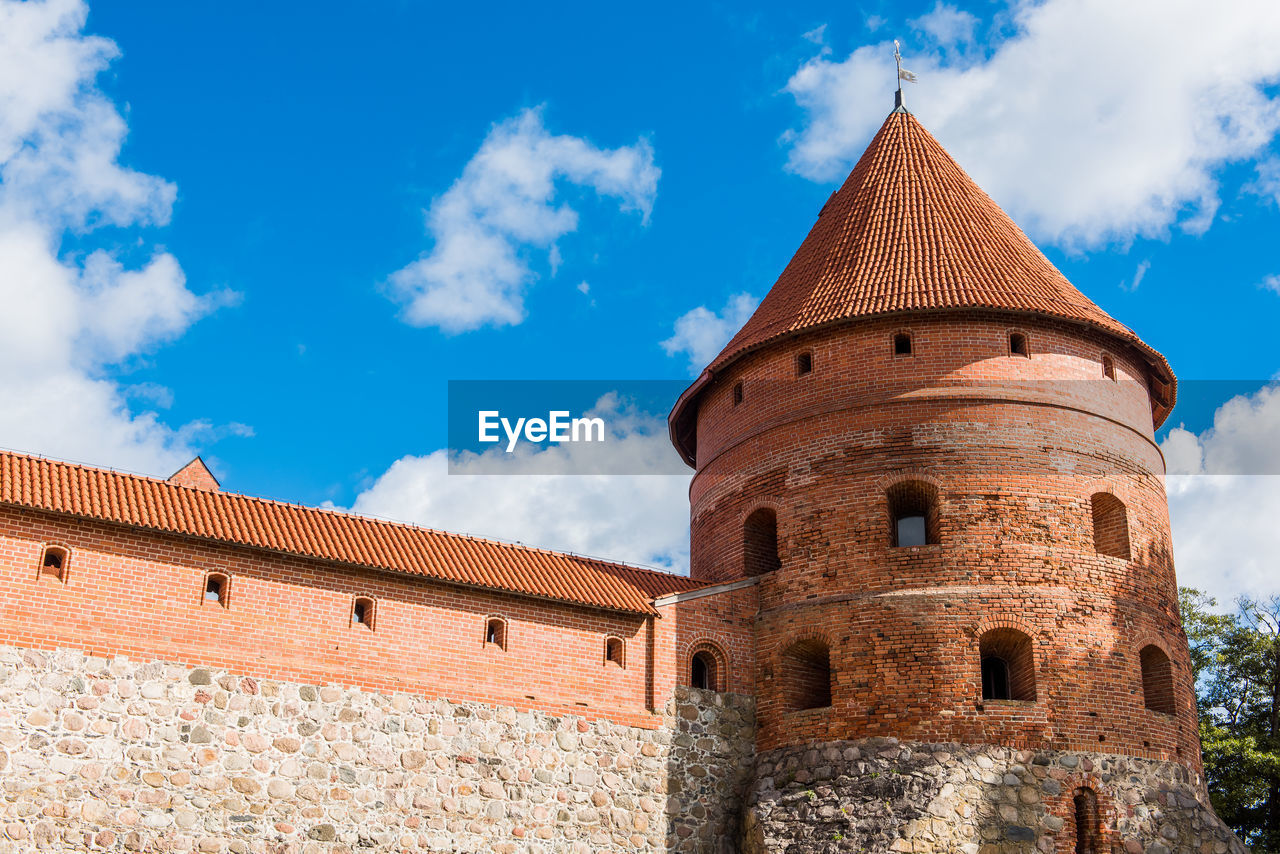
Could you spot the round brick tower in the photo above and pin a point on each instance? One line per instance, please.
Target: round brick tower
(938, 459)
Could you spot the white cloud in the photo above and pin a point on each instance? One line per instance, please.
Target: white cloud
(1224, 496)
(1272, 283)
(1093, 122)
(701, 333)
(68, 317)
(505, 205)
(947, 25)
(1138, 275)
(638, 518)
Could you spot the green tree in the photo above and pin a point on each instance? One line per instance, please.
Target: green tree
(1236, 661)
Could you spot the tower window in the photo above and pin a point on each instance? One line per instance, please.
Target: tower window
(1018, 344)
(613, 651)
(362, 613)
(804, 364)
(995, 678)
(1157, 680)
(1110, 525)
(1086, 815)
(806, 675)
(902, 344)
(737, 393)
(217, 588)
(1008, 665)
(1108, 368)
(53, 563)
(706, 668)
(760, 543)
(913, 513)
(495, 632)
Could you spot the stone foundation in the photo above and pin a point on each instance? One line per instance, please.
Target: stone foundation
(99, 754)
(879, 795)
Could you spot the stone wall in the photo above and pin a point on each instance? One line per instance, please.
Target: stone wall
(880, 795)
(109, 754)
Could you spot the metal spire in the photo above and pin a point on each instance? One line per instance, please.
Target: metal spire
(903, 74)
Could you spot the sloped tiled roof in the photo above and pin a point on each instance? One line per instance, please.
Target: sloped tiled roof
(910, 231)
(143, 502)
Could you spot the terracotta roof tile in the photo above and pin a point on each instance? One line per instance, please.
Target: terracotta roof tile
(909, 231)
(326, 535)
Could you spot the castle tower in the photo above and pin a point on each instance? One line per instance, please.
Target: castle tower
(937, 459)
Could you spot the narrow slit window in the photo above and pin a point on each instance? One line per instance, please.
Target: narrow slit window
(1108, 368)
(760, 543)
(53, 563)
(1018, 344)
(806, 675)
(1008, 665)
(902, 344)
(613, 651)
(1085, 803)
(216, 588)
(804, 364)
(362, 613)
(1110, 525)
(1157, 680)
(737, 394)
(495, 632)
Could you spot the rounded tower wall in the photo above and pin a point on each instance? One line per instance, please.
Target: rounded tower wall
(1008, 452)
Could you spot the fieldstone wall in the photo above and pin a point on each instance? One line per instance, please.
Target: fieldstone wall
(879, 795)
(110, 755)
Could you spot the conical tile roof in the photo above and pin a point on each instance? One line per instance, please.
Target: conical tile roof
(910, 231)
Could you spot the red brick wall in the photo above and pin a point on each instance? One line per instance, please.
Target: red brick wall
(140, 593)
(1015, 448)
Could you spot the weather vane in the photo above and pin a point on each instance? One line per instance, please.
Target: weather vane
(903, 74)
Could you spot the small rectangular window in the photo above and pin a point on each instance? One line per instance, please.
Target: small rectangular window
(495, 632)
(737, 394)
(216, 588)
(53, 563)
(804, 363)
(1018, 344)
(902, 344)
(362, 613)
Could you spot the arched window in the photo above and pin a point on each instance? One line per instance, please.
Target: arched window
(1008, 665)
(737, 394)
(1018, 345)
(1086, 816)
(804, 364)
(217, 589)
(1157, 680)
(707, 668)
(1110, 525)
(54, 563)
(362, 613)
(913, 513)
(495, 632)
(760, 542)
(614, 651)
(902, 344)
(1108, 367)
(806, 675)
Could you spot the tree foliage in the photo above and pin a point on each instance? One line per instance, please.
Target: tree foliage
(1236, 662)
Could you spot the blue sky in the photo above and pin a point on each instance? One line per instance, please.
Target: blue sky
(277, 163)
